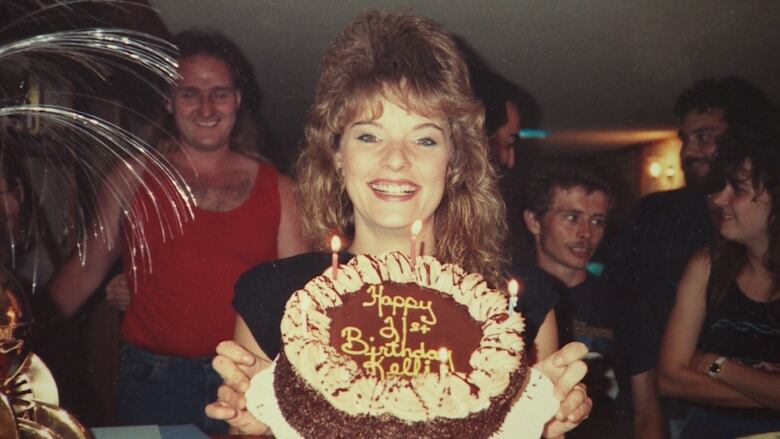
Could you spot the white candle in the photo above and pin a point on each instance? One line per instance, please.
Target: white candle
(335, 245)
(443, 357)
(513, 286)
(416, 228)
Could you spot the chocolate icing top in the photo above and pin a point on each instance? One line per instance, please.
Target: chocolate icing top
(398, 329)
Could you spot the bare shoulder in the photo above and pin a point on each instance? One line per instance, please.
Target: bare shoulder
(287, 186)
(700, 261)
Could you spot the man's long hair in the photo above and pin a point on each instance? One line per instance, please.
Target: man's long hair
(247, 136)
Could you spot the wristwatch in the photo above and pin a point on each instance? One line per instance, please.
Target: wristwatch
(715, 367)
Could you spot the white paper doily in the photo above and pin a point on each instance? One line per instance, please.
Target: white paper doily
(525, 420)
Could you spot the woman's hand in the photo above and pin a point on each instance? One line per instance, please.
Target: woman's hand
(236, 366)
(566, 369)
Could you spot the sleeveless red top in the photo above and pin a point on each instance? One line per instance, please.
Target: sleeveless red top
(184, 287)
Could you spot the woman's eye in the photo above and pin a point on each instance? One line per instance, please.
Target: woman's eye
(426, 141)
(570, 217)
(368, 138)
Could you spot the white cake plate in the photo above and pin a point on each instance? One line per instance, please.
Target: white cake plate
(525, 420)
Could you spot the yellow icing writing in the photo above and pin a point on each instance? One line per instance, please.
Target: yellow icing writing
(391, 356)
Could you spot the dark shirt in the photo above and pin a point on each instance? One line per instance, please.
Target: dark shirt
(618, 332)
(650, 251)
(743, 330)
(538, 297)
(263, 291)
(747, 332)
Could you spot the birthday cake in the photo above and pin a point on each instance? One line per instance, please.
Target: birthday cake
(388, 349)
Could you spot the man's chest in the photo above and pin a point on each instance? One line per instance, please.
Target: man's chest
(220, 194)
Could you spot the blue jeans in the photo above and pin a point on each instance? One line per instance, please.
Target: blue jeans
(163, 390)
(714, 423)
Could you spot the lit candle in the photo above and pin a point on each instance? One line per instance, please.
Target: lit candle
(416, 228)
(305, 303)
(513, 286)
(443, 356)
(335, 245)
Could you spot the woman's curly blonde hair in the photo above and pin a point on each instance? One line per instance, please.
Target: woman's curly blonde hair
(412, 61)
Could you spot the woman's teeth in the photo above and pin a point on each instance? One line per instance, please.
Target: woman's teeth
(393, 189)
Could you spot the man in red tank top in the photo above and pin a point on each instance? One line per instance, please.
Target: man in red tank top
(244, 214)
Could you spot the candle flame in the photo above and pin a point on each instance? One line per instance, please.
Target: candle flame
(443, 354)
(416, 227)
(513, 286)
(335, 243)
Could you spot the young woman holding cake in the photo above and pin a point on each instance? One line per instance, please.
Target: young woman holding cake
(721, 348)
(394, 136)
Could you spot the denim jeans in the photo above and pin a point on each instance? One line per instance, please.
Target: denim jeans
(714, 423)
(163, 390)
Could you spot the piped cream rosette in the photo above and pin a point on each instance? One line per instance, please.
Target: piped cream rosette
(350, 389)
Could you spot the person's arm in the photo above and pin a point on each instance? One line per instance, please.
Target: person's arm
(74, 282)
(546, 341)
(237, 361)
(676, 377)
(760, 385)
(649, 421)
(290, 241)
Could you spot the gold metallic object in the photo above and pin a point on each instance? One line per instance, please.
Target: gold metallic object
(28, 392)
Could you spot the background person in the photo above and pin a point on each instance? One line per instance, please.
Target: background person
(721, 348)
(245, 213)
(568, 209)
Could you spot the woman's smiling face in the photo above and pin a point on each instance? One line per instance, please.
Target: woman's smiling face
(394, 168)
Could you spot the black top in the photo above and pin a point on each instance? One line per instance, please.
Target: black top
(743, 330)
(263, 291)
(618, 330)
(652, 247)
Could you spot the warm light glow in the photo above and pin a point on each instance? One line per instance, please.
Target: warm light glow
(416, 227)
(513, 286)
(654, 169)
(335, 243)
(670, 171)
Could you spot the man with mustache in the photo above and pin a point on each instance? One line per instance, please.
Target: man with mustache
(566, 213)
(664, 229)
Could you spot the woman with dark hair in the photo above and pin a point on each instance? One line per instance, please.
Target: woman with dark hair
(394, 135)
(721, 349)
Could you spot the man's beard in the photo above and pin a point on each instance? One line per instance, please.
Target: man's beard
(690, 166)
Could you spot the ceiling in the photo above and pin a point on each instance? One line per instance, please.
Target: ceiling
(605, 72)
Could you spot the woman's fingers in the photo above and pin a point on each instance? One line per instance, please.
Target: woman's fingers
(576, 406)
(229, 395)
(231, 373)
(569, 378)
(221, 410)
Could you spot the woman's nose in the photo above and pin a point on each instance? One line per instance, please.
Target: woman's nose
(719, 198)
(396, 157)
